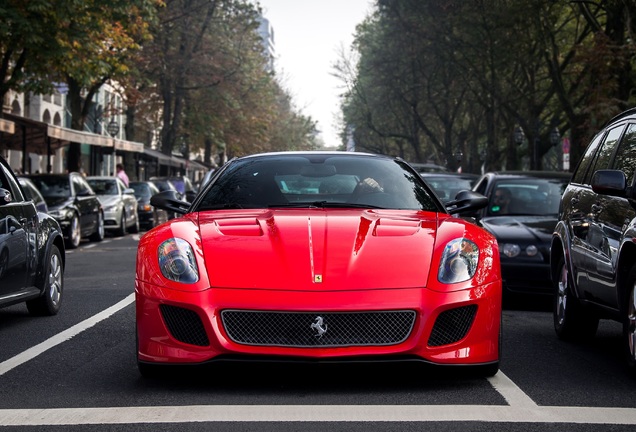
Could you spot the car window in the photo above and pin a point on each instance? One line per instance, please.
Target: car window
(585, 162)
(626, 155)
(604, 154)
(527, 196)
(7, 182)
(103, 186)
(333, 179)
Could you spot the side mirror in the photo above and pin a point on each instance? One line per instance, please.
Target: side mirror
(190, 196)
(170, 200)
(465, 201)
(610, 182)
(129, 191)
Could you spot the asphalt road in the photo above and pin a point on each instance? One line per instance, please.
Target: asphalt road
(76, 371)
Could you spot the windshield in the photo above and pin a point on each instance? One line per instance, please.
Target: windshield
(318, 180)
(104, 186)
(527, 196)
(53, 186)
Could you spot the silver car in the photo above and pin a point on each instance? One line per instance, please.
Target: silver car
(119, 202)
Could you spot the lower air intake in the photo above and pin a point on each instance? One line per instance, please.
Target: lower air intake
(184, 325)
(452, 325)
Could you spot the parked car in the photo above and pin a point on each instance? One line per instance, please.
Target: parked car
(448, 184)
(181, 183)
(267, 263)
(163, 184)
(119, 203)
(149, 215)
(32, 251)
(593, 251)
(522, 212)
(73, 203)
(32, 193)
(428, 167)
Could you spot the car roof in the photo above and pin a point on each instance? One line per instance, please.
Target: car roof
(538, 174)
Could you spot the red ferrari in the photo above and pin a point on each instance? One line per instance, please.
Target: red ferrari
(318, 256)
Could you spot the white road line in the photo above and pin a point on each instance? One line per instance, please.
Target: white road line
(36, 350)
(521, 408)
(511, 392)
(315, 413)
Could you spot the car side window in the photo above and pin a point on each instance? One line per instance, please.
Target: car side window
(626, 156)
(580, 171)
(80, 186)
(8, 182)
(605, 152)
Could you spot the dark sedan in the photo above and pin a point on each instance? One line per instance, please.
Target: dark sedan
(149, 216)
(31, 251)
(74, 204)
(522, 213)
(447, 184)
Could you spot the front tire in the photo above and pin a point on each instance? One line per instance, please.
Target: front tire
(52, 286)
(74, 233)
(122, 225)
(571, 321)
(629, 322)
(98, 235)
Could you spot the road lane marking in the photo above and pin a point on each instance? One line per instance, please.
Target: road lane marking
(316, 413)
(511, 392)
(67, 334)
(520, 409)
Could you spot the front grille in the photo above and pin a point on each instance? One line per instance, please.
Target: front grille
(322, 329)
(452, 325)
(184, 325)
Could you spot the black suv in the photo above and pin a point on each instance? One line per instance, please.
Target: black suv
(593, 254)
(32, 251)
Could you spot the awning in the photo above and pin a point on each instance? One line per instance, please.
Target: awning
(164, 159)
(21, 133)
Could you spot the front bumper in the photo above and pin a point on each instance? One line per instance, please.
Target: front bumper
(161, 342)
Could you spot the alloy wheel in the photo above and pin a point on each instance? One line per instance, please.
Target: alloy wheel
(631, 324)
(54, 279)
(562, 296)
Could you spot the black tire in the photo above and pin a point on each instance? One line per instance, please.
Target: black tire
(52, 286)
(122, 225)
(135, 227)
(572, 322)
(147, 370)
(629, 322)
(99, 233)
(74, 233)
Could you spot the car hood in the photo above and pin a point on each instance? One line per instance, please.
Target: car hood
(293, 249)
(108, 200)
(56, 203)
(521, 228)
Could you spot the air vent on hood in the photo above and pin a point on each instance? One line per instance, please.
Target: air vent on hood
(396, 227)
(239, 227)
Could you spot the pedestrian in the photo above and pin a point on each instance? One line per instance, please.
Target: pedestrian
(122, 174)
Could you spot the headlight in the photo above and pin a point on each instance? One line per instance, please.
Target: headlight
(176, 261)
(111, 208)
(510, 250)
(62, 214)
(459, 261)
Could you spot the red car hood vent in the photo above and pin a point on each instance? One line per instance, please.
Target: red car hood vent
(317, 250)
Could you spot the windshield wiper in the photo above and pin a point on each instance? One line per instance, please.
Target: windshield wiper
(220, 206)
(323, 204)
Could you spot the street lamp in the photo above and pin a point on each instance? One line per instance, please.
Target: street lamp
(113, 130)
(518, 135)
(555, 136)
